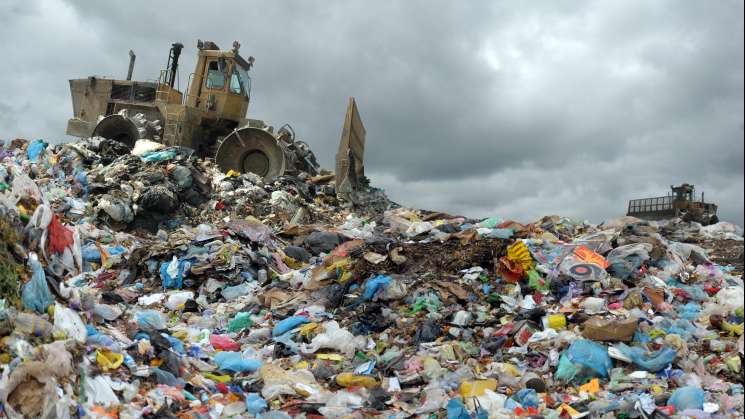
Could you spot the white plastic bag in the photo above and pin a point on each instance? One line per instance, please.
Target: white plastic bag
(337, 338)
(69, 322)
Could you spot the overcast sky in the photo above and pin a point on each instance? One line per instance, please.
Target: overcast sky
(484, 108)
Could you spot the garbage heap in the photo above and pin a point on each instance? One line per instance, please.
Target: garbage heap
(146, 283)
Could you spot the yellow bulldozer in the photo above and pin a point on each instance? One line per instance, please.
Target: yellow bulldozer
(681, 202)
(209, 119)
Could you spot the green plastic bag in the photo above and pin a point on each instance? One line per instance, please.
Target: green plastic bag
(241, 321)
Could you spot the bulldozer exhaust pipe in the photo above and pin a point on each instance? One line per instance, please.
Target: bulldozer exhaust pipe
(173, 61)
(132, 57)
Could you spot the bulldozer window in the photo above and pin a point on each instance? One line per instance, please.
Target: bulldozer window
(240, 83)
(235, 83)
(215, 77)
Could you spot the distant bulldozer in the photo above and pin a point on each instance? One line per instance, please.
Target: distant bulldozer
(681, 203)
(210, 119)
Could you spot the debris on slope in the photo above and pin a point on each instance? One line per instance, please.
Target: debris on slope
(150, 284)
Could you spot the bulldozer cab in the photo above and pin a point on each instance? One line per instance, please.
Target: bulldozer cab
(220, 85)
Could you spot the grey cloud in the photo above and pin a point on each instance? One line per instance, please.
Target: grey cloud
(483, 108)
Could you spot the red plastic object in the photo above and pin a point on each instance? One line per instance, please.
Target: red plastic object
(224, 343)
(59, 236)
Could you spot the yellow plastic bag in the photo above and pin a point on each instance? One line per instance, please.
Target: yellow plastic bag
(108, 360)
(477, 388)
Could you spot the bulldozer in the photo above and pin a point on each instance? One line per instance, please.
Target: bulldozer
(681, 202)
(210, 118)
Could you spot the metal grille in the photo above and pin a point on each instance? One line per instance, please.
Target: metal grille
(140, 92)
(661, 203)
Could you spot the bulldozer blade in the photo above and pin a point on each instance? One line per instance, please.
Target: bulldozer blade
(252, 150)
(119, 128)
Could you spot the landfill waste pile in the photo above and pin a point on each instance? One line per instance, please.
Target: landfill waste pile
(146, 283)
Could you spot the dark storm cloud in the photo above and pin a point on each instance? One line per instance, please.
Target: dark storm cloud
(483, 108)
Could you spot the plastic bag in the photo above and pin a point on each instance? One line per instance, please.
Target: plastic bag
(34, 150)
(687, 398)
(182, 176)
(36, 295)
(241, 321)
(233, 361)
(150, 320)
(224, 343)
(98, 391)
(337, 338)
(653, 362)
(246, 288)
(172, 273)
(255, 404)
(626, 260)
(177, 299)
(279, 382)
(582, 360)
(156, 156)
(59, 237)
(70, 323)
(375, 285)
(144, 146)
(288, 324)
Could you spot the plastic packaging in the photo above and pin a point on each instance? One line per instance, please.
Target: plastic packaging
(224, 343)
(233, 361)
(150, 320)
(626, 260)
(34, 150)
(69, 322)
(653, 362)
(337, 338)
(583, 359)
(108, 360)
(348, 379)
(242, 320)
(255, 404)
(687, 398)
(177, 299)
(32, 325)
(172, 273)
(36, 295)
(231, 293)
(288, 324)
(374, 286)
(477, 388)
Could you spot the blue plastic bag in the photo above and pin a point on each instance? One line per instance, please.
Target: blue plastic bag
(255, 404)
(652, 362)
(687, 398)
(155, 156)
(35, 149)
(35, 294)
(288, 324)
(172, 273)
(456, 410)
(583, 359)
(374, 285)
(527, 397)
(176, 344)
(690, 311)
(150, 320)
(232, 361)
